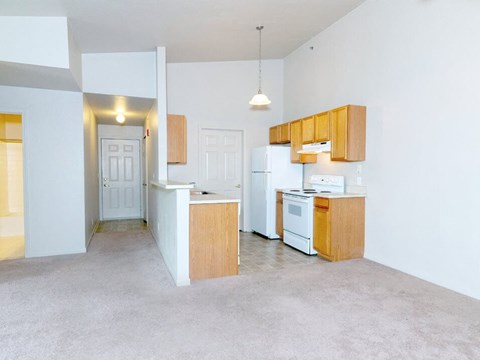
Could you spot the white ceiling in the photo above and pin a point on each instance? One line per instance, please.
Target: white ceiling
(191, 30)
(106, 107)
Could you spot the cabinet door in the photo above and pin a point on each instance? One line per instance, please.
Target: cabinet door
(285, 133)
(273, 135)
(295, 140)
(176, 139)
(279, 218)
(321, 232)
(339, 133)
(308, 130)
(322, 127)
(348, 133)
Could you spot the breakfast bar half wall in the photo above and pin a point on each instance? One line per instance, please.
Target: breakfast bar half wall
(168, 215)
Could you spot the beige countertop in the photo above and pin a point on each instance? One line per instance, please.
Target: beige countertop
(340, 196)
(334, 195)
(171, 184)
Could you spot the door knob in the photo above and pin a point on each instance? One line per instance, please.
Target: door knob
(106, 185)
(238, 186)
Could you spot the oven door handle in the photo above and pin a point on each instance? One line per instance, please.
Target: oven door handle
(297, 200)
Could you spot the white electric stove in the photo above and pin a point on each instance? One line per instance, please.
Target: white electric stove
(298, 210)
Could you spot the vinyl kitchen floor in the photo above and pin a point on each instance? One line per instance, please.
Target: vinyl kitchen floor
(259, 254)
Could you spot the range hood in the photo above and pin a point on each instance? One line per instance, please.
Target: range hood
(315, 148)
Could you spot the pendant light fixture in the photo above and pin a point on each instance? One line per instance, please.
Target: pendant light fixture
(260, 98)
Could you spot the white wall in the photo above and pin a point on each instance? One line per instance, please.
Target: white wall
(34, 40)
(74, 59)
(90, 142)
(151, 144)
(54, 168)
(414, 64)
(128, 74)
(161, 131)
(216, 95)
(120, 132)
(171, 230)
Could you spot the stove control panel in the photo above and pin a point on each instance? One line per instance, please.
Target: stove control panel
(333, 183)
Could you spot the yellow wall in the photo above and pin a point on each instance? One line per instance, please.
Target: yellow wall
(11, 164)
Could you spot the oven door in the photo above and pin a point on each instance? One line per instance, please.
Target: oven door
(297, 215)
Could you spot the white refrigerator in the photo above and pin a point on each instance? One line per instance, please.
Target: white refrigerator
(271, 169)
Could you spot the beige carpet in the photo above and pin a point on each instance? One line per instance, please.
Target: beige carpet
(118, 302)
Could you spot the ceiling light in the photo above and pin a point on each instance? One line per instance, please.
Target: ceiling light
(260, 98)
(120, 118)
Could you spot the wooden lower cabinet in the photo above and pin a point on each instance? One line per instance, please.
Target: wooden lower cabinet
(213, 240)
(279, 215)
(339, 228)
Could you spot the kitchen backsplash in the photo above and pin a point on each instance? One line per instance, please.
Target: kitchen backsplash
(355, 172)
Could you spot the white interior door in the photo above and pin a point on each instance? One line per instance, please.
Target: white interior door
(221, 163)
(121, 179)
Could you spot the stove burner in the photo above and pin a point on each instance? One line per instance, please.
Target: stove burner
(294, 190)
(325, 192)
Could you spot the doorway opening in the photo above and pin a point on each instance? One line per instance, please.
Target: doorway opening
(12, 236)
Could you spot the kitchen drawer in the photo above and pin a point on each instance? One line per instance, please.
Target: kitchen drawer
(321, 202)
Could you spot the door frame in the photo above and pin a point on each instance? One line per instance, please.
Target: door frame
(144, 178)
(241, 219)
(26, 209)
(100, 172)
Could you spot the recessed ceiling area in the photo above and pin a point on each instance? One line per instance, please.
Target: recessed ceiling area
(106, 108)
(206, 30)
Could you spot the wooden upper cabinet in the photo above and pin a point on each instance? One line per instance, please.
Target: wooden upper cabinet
(280, 134)
(308, 130)
(284, 133)
(348, 133)
(176, 139)
(273, 139)
(296, 142)
(322, 127)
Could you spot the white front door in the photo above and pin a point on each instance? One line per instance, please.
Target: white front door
(221, 163)
(121, 179)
